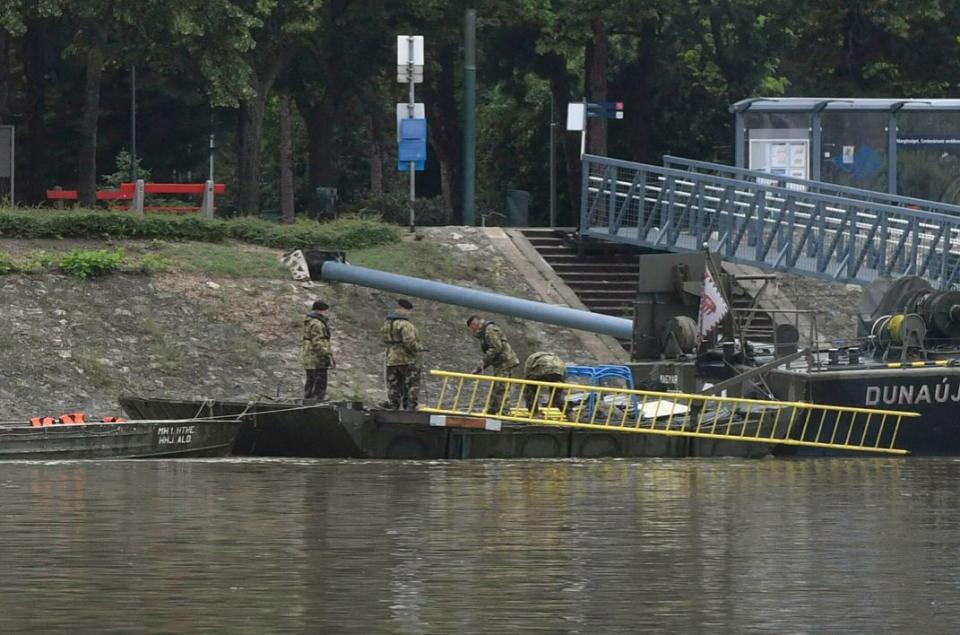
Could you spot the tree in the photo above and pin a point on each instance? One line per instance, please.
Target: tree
(282, 24)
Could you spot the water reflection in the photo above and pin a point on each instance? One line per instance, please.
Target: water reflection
(487, 546)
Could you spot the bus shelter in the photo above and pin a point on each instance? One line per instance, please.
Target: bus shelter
(909, 147)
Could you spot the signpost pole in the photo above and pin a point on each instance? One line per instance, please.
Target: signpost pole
(13, 164)
(553, 166)
(410, 113)
(583, 131)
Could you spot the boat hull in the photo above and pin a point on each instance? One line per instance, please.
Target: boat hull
(346, 431)
(933, 392)
(128, 440)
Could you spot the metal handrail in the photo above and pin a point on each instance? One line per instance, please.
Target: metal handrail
(821, 187)
(811, 233)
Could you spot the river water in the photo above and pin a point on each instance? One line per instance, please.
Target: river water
(692, 546)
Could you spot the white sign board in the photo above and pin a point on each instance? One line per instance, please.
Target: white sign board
(403, 50)
(403, 112)
(575, 116)
(406, 54)
(780, 157)
(403, 74)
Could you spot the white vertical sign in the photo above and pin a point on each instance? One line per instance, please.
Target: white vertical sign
(407, 54)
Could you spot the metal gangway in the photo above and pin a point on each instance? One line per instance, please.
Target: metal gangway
(807, 227)
(490, 400)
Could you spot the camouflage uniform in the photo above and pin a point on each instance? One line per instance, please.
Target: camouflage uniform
(317, 355)
(403, 362)
(543, 366)
(497, 353)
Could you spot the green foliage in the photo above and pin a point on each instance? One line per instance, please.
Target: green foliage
(6, 263)
(344, 233)
(395, 208)
(91, 263)
(150, 264)
(39, 261)
(121, 174)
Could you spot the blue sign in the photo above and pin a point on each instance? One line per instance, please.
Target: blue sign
(866, 164)
(412, 146)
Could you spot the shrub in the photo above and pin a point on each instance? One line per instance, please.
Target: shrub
(344, 233)
(151, 263)
(91, 263)
(395, 208)
(6, 263)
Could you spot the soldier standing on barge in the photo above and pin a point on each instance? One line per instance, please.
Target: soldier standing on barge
(403, 358)
(317, 351)
(497, 354)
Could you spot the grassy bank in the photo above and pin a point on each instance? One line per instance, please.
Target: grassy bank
(87, 244)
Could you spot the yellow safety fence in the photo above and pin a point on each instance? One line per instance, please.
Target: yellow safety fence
(672, 414)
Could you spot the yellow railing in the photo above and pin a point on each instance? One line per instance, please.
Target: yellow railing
(672, 414)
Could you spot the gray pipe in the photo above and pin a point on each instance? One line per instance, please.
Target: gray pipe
(480, 300)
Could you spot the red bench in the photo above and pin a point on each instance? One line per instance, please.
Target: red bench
(127, 192)
(102, 195)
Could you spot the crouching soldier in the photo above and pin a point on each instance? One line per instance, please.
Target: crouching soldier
(403, 358)
(543, 366)
(498, 355)
(317, 351)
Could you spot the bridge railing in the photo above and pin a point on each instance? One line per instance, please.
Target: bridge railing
(759, 224)
(805, 185)
(486, 399)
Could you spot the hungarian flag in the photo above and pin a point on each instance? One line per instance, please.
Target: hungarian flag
(712, 305)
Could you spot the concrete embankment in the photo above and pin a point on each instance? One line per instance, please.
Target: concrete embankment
(77, 344)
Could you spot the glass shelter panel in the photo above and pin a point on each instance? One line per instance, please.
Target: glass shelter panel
(855, 149)
(928, 155)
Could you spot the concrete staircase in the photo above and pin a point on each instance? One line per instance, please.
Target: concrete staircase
(605, 275)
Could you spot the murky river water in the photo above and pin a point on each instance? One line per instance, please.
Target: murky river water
(724, 546)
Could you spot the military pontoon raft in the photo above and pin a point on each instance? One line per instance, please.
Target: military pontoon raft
(481, 416)
(468, 400)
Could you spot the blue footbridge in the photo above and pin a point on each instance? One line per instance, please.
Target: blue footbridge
(805, 227)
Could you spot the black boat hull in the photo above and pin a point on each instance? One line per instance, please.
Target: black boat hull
(933, 392)
(346, 431)
(128, 440)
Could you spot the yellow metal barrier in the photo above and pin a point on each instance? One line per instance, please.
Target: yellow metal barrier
(673, 414)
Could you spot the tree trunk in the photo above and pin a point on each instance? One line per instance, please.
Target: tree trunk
(250, 120)
(321, 123)
(597, 54)
(446, 133)
(568, 181)
(286, 161)
(250, 131)
(35, 104)
(4, 75)
(87, 168)
(375, 130)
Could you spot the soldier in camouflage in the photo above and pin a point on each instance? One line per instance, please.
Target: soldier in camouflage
(403, 358)
(317, 351)
(544, 366)
(498, 355)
